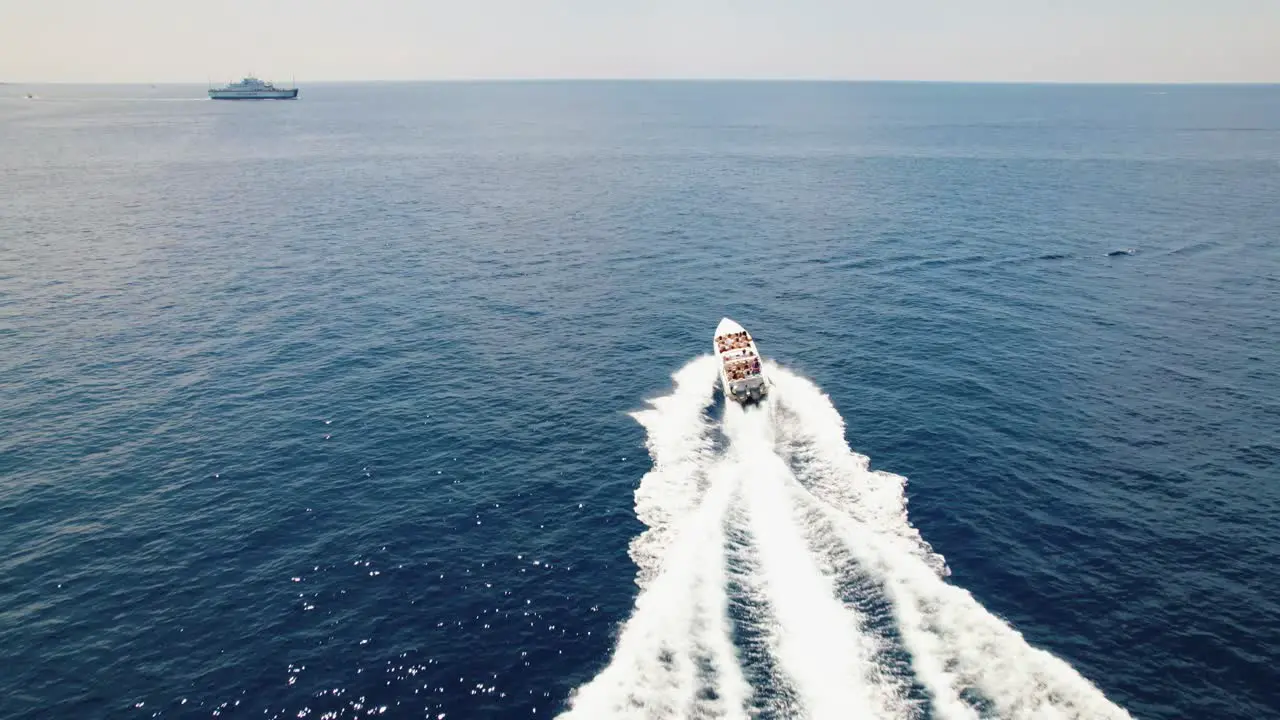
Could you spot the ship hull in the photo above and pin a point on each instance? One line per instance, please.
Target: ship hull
(265, 95)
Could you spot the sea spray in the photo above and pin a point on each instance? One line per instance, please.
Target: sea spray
(955, 644)
(790, 488)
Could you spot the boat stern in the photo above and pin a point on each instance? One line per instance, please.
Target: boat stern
(749, 391)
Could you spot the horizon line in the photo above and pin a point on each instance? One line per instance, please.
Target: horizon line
(655, 79)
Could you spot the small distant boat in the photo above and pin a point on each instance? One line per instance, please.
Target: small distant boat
(251, 88)
(740, 371)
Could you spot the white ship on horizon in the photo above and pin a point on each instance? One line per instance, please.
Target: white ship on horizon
(251, 88)
(740, 365)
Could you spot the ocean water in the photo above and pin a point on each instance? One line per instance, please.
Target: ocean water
(395, 401)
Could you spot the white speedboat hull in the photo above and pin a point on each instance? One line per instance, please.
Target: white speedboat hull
(741, 367)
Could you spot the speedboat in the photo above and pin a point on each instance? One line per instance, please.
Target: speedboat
(740, 371)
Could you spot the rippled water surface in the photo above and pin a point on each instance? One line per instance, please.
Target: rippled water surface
(351, 406)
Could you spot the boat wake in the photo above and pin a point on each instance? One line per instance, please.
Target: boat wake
(780, 578)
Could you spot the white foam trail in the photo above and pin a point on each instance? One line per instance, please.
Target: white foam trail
(841, 480)
(681, 616)
(714, 636)
(954, 642)
(678, 642)
(654, 671)
(818, 640)
(755, 617)
(814, 432)
(679, 441)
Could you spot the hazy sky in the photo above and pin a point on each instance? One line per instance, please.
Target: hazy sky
(1055, 40)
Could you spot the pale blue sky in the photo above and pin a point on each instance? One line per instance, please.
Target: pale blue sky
(997, 40)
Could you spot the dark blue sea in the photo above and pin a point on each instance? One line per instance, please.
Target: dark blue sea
(397, 401)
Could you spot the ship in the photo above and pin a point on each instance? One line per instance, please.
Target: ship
(251, 88)
(741, 374)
